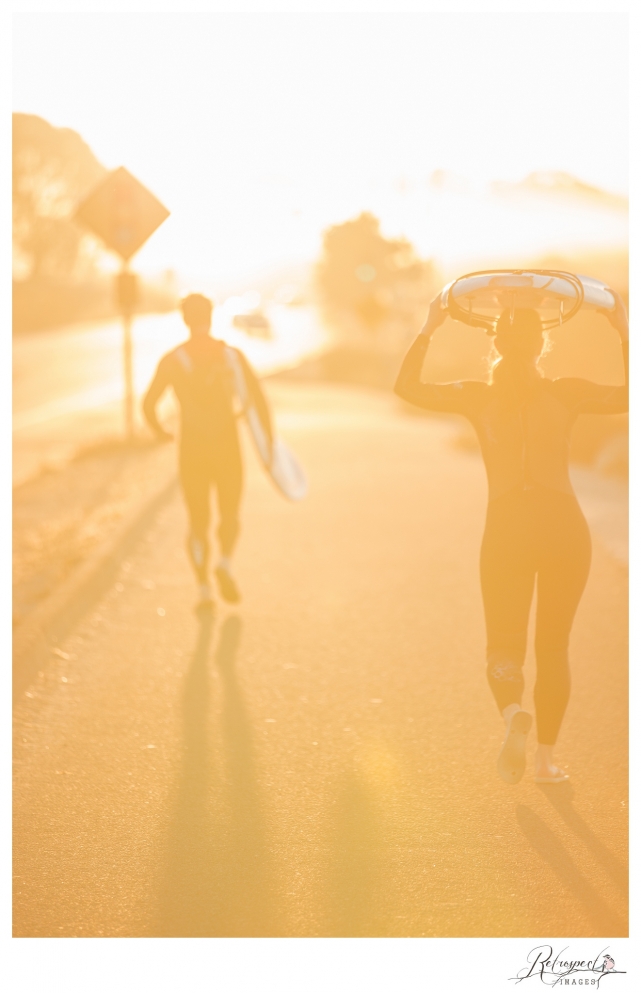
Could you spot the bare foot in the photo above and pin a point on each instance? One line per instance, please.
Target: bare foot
(545, 770)
(227, 585)
(511, 761)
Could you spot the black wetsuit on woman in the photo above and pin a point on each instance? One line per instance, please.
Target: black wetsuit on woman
(534, 526)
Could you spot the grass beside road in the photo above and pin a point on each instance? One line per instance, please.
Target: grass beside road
(61, 516)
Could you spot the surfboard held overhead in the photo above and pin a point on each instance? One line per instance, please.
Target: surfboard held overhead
(479, 298)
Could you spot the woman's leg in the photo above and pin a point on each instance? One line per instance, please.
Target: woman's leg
(507, 582)
(564, 564)
(507, 585)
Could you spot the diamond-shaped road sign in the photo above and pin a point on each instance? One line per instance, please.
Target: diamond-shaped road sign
(122, 212)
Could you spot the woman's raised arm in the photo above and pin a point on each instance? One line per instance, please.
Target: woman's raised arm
(585, 397)
(456, 398)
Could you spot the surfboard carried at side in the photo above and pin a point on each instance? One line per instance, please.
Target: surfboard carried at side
(480, 297)
(278, 459)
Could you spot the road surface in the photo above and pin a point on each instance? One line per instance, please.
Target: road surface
(320, 761)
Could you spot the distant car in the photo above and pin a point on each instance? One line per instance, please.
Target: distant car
(255, 324)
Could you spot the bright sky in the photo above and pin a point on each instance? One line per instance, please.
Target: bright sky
(258, 131)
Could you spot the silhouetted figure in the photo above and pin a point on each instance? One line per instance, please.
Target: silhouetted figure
(203, 382)
(534, 526)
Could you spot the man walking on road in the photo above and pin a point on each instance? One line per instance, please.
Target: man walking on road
(203, 382)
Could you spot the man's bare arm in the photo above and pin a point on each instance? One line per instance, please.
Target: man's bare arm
(158, 386)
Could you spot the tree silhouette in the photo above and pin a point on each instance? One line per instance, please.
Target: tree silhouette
(368, 278)
(53, 169)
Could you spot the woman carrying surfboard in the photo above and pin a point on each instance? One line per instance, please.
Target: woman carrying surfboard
(535, 529)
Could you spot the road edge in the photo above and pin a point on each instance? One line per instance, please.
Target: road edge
(55, 617)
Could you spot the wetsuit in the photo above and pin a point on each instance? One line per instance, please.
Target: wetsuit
(534, 526)
(209, 454)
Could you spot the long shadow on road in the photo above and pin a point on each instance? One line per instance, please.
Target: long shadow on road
(605, 921)
(561, 799)
(218, 881)
(356, 902)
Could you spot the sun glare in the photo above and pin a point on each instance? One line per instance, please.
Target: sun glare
(202, 109)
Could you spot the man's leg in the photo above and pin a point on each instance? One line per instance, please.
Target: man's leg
(195, 481)
(229, 486)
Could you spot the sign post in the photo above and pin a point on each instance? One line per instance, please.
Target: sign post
(123, 213)
(127, 298)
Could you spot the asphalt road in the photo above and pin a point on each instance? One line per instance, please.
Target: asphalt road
(320, 761)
